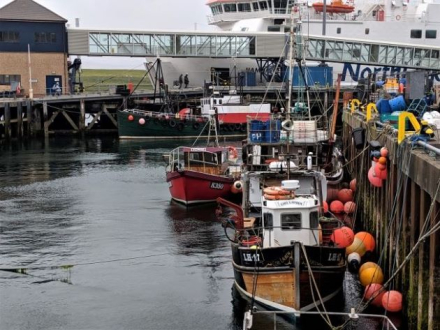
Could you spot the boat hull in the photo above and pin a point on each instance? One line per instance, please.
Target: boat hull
(283, 281)
(191, 187)
(142, 126)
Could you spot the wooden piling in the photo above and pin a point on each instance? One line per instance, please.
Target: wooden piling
(19, 120)
(29, 130)
(45, 120)
(82, 116)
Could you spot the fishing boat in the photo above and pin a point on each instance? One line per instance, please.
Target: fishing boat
(284, 253)
(229, 109)
(202, 174)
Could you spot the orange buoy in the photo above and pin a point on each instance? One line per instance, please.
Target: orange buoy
(130, 118)
(276, 191)
(357, 246)
(353, 185)
(384, 152)
(342, 237)
(336, 207)
(383, 160)
(374, 291)
(371, 275)
(367, 239)
(345, 195)
(383, 174)
(392, 301)
(277, 197)
(366, 265)
(325, 206)
(349, 207)
(373, 178)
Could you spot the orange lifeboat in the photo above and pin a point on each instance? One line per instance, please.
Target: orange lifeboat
(336, 7)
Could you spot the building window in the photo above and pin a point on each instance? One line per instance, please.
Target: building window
(431, 34)
(416, 34)
(291, 221)
(7, 79)
(367, 31)
(45, 37)
(338, 30)
(9, 36)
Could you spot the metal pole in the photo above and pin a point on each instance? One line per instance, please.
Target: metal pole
(31, 91)
(324, 17)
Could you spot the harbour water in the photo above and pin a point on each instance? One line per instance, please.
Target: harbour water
(139, 260)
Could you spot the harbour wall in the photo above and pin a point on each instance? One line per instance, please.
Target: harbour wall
(400, 215)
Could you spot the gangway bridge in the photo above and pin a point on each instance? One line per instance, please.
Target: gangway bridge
(258, 45)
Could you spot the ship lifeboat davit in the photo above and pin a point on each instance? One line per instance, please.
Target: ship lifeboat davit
(336, 7)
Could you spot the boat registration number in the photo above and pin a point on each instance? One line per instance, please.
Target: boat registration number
(334, 257)
(251, 257)
(217, 185)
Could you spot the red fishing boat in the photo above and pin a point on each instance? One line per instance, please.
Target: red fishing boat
(336, 7)
(201, 175)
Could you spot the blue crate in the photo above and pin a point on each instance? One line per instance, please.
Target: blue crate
(257, 131)
(273, 131)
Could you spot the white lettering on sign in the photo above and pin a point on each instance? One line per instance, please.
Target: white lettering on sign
(217, 185)
(334, 257)
(198, 149)
(284, 203)
(251, 257)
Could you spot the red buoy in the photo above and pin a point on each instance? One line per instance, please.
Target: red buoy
(349, 207)
(325, 206)
(353, 185)
(337, 207)
(373, 290)
(345, 195)
(373, 178)
(130, 118)
(342, 237)
(384, 152)
(392, 301)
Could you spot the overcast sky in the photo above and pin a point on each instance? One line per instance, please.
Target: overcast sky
(129, 15)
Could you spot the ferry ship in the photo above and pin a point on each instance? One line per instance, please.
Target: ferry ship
(398, 21)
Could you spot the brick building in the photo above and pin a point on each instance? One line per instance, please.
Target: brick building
(26, 24)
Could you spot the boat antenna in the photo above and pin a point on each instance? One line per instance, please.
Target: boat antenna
(294, 10)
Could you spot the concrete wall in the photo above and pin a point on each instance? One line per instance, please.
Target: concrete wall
(42, 65)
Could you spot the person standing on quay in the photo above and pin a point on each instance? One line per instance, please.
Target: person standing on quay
(186, 80)
(180, 81)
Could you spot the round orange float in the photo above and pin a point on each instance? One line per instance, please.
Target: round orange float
(130, 118)
(349, 207)
(366, 265)
(353, 185)
(342, 237)
(374, 179)
(345, 195)
(384, 152)
(371, 275)
(337, 207)
(357, 246)
(392, 301)
(367, 239)
(325, 206)
(383, 160)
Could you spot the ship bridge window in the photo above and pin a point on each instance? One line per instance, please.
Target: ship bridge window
(431, 34)
(255, 6)
(278, 21)
(263, 5)
(273, 29)
(416, 34)
(314, 220)
(291, 221)
(268, 220)
(338, 30)
(230, 7)
(367, 31)
(280, 6)
(244, 7)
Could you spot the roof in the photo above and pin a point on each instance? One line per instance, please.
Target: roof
(28, 10)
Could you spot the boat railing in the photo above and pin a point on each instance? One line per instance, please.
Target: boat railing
(166, 116)
(351, 320)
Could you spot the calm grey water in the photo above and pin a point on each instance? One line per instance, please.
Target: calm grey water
(139, 260)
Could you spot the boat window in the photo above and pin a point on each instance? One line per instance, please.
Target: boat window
(273, 29)
(278, 21)
(244, 7)
(215, 101)
(263, 5)
(291, 221)
(230, 7)
(220, 9)
(435, 54)
(416, 34)
(338, 30)
(268, 220)
(314, 222)
(220, 101)
(367, 31)
(431, 34)
(255, 6)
